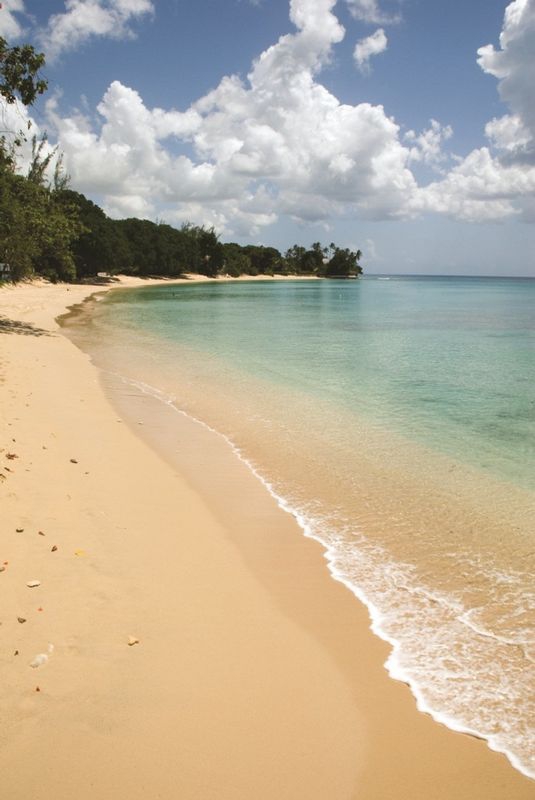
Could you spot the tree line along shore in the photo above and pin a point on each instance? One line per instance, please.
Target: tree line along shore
(49, 230)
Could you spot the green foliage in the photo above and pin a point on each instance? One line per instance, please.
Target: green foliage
(263, 260)
(210, 251)
(19, 73)
(159, 249)
(343, 263)
(92, 249)
(59, 227)
(37, 225)
(41, 158)
(294, 258)
(19, 202)
(300, 261)
(329, 262)
(235, 261)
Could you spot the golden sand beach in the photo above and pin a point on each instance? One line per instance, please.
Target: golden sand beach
(192, 649)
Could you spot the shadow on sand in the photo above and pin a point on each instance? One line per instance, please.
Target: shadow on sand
(22, 328)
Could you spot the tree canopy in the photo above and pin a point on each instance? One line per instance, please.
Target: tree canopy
(19, 73)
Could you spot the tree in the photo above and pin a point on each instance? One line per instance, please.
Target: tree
(93, 249)
(59, 227)
(38, 225)
(263, 260)
(312, 260)
(294, 258)
(236, 261)
(210, 252)
(343, 263)
(41, 161)
(141, 235)
(37, 228)
(19, 218)
(19, 73)
(302, 261)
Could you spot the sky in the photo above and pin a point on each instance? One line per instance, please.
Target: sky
(404, 128)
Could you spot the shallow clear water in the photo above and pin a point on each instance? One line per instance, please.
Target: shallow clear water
(396, 418)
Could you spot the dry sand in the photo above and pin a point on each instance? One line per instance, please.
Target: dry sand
(255, 674)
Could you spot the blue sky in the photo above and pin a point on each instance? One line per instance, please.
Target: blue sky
(403, 127)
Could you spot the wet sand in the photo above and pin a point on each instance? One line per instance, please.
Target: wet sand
(255, 673)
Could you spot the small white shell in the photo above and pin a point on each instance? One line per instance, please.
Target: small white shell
(33, 584)
(42, 658)
(39, 660)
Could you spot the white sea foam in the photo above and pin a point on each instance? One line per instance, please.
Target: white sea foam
(417, 621)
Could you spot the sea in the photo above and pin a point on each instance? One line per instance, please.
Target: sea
(394, 417)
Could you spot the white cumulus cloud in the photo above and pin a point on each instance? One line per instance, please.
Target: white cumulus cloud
(479, 189)
(368, 47)
(496, 182)
(427, 146)
(369, 11)
(508, 133)
(514, 63)
(83, 19)
(278, 142)
(10, 24)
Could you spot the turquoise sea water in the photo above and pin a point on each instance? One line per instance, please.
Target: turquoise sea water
(450, 362)
(396, 418)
